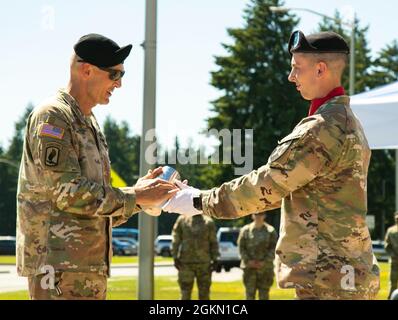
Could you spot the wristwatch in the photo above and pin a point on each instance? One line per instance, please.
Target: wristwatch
(197, 202)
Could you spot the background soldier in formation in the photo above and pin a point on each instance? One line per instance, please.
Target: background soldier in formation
(257, 242)
(391, 245)
(195, 253)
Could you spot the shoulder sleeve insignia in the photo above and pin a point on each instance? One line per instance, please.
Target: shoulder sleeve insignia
(52, 154)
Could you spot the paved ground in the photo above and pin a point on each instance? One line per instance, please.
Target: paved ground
(10, 281)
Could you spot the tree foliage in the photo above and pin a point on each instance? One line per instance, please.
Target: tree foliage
(124, 149)
(252, 78)
(9, 176)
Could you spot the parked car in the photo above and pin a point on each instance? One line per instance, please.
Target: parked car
(379, 251)
(123, 248)
(228, 246)
(125, 233)
(133, 242)
(7, 245)
(163, 245)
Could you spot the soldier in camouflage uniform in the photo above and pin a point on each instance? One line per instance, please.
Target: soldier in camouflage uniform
(391, 245)
(195, 252)
(256, 243)
(66, 206)
(317, 175)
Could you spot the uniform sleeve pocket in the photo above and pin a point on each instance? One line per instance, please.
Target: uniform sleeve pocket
(284, 146)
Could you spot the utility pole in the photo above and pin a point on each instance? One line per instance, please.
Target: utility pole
(146, 222)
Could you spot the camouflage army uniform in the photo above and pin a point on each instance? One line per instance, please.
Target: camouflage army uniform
(391, 245)
(195, 246)
(66, 205)
(257, 244)
(318, 176)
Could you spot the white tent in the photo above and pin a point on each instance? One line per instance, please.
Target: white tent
(377, 110)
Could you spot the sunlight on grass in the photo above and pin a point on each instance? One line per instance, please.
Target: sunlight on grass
(115, 259)
(166, 288)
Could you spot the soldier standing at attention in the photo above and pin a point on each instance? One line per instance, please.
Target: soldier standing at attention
(195, 252)
(317, 175)
(256, 243)
(391, 245)
(66, 206)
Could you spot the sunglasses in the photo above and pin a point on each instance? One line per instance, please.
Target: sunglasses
(114, 74)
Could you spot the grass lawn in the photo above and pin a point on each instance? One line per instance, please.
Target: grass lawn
(115, 259)
(134, 259)
(166, 288)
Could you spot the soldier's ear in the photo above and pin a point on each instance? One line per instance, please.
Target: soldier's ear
(321, 69)
(86, 70)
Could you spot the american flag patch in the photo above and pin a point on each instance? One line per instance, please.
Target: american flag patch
(49, 130)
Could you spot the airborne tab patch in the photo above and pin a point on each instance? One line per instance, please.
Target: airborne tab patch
(49, 130)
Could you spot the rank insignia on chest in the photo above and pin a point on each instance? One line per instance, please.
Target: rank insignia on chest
(49, 130)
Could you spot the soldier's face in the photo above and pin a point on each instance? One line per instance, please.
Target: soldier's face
(304, 75)
(101, 86)
(258, 218)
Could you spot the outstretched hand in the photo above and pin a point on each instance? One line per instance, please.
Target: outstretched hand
(153, 192)
(182, 202)
(152, 174)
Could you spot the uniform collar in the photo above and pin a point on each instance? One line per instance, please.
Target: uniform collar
(71, 101)
(316, 103)
(253, 226)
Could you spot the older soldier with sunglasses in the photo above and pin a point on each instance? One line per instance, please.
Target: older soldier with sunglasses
(66, 204)
(317, 176)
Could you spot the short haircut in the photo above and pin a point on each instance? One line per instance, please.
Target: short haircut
(74, 62)
(335, 61)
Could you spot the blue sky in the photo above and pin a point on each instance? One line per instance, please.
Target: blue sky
(38, 36)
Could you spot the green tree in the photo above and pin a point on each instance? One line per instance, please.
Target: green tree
(193, 172)
(381, 202)
(363, 58)
(384, 70)
(253, 80)
(14, 151)
(124, 153)
(9, 176)
(385, 66)
(124, 149)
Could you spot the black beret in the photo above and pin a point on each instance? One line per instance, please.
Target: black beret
(322, 42)
(101, 51)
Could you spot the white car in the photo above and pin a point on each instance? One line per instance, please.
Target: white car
(379, 251)
(163, 245)
(228, 247)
